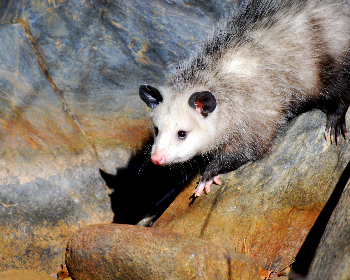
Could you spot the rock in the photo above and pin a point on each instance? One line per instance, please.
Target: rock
(132, 252)
(69, 78)
(24, 274)
(332, 257)
(69, 75)
(49, 179)
(266, 208)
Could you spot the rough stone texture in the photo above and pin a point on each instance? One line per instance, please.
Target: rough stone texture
(69, 74)
(49, 176)
(98, 53)
(69, 106)
(25, 274)
(132, 252)
(267, 208)
(332, 258)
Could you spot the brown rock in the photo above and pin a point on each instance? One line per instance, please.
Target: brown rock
(132, 252)
(24, 274)
(49, 179)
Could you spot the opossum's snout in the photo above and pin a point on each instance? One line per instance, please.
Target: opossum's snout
(170, 147)
(159, 158)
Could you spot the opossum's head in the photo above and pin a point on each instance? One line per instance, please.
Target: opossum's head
(183, 124)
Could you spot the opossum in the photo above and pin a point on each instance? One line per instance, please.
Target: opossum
(267, 62)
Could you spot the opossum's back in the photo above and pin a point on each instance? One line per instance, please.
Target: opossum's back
(262, 21)
(265, 39)
(286, 36)
(267, 59)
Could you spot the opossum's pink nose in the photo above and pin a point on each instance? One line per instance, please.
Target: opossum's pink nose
(158, 158)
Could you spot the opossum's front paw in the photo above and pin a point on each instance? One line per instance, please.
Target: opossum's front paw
(335, 127)
(206, 186)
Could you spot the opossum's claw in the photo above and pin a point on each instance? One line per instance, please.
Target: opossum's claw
(343, 129)
(216, 180)
(198, 191)
(334, 133)
(205, 186)
(326, 134)
(335, 127)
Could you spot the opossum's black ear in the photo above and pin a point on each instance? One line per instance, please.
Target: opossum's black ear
(150, 95)
(204, 102)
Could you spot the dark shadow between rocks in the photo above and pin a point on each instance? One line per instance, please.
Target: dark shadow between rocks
(308, 249)
(143, 190)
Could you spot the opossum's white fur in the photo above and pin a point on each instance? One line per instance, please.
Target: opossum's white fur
(263, 64)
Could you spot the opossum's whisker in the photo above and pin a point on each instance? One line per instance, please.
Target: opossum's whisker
(142, 167)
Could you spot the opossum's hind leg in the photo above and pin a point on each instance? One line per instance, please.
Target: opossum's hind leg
(206, 185)
(336, 123)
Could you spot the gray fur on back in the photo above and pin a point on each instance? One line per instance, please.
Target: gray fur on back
(263, 64)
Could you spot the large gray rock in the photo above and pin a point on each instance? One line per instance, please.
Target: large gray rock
(49, 179)
(69, 78)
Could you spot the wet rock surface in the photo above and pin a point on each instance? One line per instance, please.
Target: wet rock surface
(132, 252)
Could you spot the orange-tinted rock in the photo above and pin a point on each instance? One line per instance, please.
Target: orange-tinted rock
(24, 274)
(132, 252)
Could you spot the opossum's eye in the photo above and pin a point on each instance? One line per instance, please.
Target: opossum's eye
(182, 134)
(155, 130)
